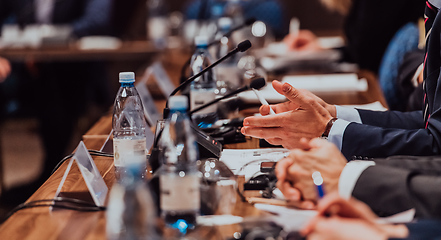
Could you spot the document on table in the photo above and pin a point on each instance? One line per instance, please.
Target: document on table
(346, 82)
(289, 218)
(247, 161)
(320, 84)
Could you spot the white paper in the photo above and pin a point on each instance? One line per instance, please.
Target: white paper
(236, 159)
(290, 219)
(375, 106)
(328, 83)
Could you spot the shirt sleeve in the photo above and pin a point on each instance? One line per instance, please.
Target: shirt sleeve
(336, 133)
(348, 114)
(349, 176)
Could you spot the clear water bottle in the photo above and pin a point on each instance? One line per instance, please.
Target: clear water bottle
(158, 26)
(129, 124)
(203, 88)
(226, 43)
(180, 179)
(131, 212)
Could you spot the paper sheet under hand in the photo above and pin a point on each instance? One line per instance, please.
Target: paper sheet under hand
(235, 159)
(375, 106)
(290, 219)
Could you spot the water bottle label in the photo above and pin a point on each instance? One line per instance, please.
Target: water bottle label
(129, 151)
(199, 98)
(180, 193)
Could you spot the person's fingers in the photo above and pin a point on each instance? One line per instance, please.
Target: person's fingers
(267, 121)
(290, 193)
(299, 98)
(333, 204)
(304, 144)
(264, 110)
(316, 142)
(281, 168)
(262, 132)
(5, 69)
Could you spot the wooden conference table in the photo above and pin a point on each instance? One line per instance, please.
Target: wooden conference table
(41, 223)
(129, 50)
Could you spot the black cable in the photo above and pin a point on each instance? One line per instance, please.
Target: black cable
(59, 202)
(92, 152)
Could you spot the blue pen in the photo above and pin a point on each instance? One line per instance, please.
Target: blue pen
(318, 182)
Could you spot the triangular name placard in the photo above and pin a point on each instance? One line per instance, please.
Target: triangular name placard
(95, 183)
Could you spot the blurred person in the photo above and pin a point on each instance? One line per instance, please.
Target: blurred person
(369, 26)
(343, 219)
(5, 69)
(59, 92)
(268, 11)
(388, 186)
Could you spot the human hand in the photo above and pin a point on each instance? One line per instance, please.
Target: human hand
(303, 116)
(338, 218)
(290, 105)
(5, 69)
(294, 173)
(304, 40)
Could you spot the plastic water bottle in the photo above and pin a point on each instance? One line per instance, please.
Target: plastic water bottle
(158, 28)
(179, 180)
(129, 124)
(203, 88)
(131, 212)
(226, 44)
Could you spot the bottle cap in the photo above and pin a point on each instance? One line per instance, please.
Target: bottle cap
(225, 23)
(126, 77)
(201, 41)
(178, 102)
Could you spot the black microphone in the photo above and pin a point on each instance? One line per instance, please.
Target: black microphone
(256, 84)
(241, 47)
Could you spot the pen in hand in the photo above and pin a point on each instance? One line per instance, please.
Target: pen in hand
(318, 182)
(263, 101)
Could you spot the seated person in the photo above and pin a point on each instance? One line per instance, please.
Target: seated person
(350, 219)
(388, 186)
(5, 69)
(268, 11)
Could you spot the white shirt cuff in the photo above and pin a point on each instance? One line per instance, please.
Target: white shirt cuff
(348, 114)
(349, 176)
(336, 133)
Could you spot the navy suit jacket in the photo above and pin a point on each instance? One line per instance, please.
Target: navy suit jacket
(384, 134)
(400, 183)
(87, 17)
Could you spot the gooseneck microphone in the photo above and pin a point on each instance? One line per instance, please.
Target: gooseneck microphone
(241, 47)
(255, 84)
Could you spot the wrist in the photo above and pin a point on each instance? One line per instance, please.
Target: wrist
(328, 127)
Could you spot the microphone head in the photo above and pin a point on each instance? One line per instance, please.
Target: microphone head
(258, 83)
(250, 21)
(243, 46)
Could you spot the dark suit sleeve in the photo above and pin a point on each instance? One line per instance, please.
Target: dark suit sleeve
(392, 119)
(399, 184)
(95, 20)
(365, 141)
